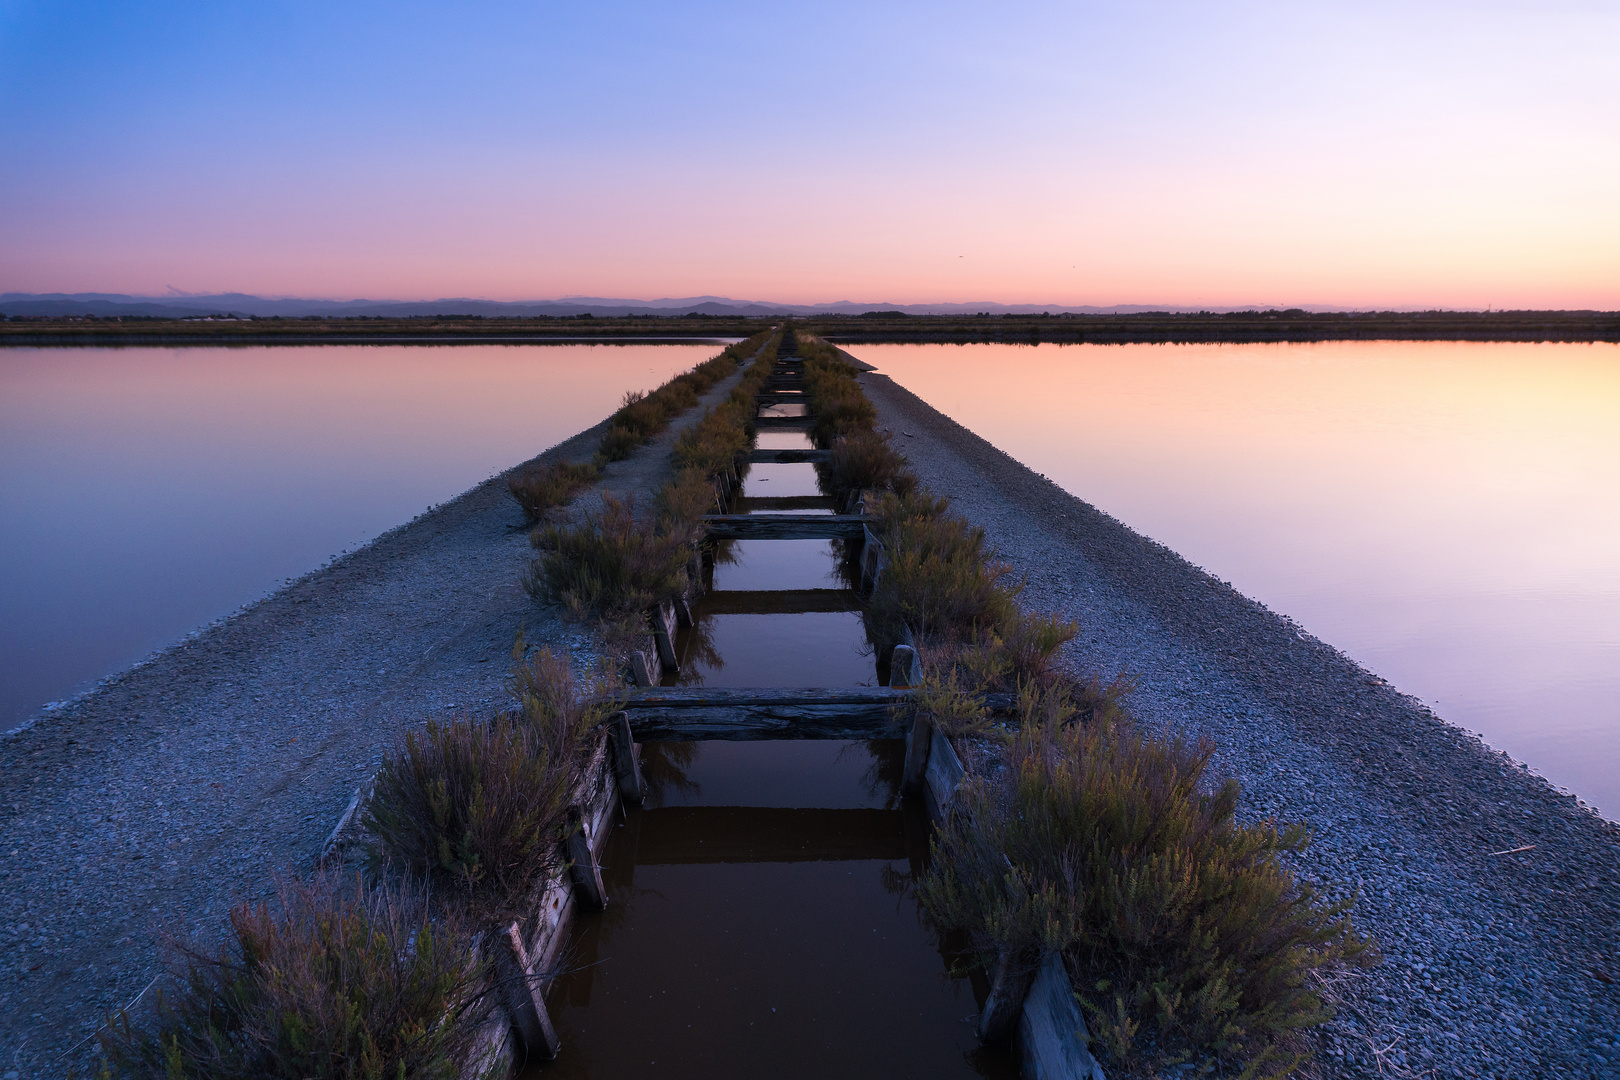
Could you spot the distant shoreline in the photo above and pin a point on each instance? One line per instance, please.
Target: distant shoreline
(1244, 327)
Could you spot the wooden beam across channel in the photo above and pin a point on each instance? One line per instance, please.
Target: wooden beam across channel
(778, 601)
(788, 457)
(785, 526)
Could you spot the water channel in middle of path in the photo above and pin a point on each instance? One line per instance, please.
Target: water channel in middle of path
(761, 916)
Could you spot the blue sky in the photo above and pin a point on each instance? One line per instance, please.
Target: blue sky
(1080, 153)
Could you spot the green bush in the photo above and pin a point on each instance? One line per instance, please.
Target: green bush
(336, 980)
(862, 461)
(543, 487)
(941, 580)
(474, 806)
(560, 709)
(610, 564)
(1184, 933)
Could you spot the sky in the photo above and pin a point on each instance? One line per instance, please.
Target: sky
(1366, 154)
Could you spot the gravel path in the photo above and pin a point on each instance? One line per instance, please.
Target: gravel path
(1495, 965)
(180, 786)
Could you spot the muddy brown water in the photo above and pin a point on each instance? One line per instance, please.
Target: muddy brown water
(762, 919)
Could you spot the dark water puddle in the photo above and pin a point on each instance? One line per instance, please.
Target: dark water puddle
(794, 480)
(789, 504)
(813, 648)
(783, 440)
(762, 924)
(778, 564)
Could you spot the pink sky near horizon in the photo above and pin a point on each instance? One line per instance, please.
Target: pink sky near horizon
(1369, 156)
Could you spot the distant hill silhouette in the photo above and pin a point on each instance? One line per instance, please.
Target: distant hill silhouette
(241, 304)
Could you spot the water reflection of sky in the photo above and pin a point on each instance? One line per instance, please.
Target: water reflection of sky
(1447, 513)
(147, 491)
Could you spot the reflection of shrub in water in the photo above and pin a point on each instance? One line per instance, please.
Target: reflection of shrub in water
(664, 766)
(698, 654)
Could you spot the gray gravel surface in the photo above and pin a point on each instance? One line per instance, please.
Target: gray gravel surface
(179, 787)
(1500, 965)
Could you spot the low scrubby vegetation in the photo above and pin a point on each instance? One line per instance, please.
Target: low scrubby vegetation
(336, 980)
(543, 487)
(368, 977)
(1187, 938)
(477, 807)
(643, 416)
(609, 564)
(613, 565)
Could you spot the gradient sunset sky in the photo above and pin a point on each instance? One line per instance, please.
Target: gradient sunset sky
(1367, 154)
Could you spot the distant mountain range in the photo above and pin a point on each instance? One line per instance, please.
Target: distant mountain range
(240, 304)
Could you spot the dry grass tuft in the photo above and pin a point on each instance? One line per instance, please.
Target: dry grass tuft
(543, 487)
(1186, 935)
(335, 981)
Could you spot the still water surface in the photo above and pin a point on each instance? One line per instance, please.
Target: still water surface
(145, 492)
(1447, 513)
(761, 923)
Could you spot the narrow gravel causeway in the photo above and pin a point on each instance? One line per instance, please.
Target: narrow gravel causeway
(1500, 965)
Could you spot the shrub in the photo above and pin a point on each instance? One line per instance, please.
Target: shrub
(684, 500)
(610, 564)
(1186, 933)
(560, 709)
(860, 461)
(474, 806)
(542, 487)
(335, 981)
(642, 416)
(941, 580)
(836, 401)
(618, 444)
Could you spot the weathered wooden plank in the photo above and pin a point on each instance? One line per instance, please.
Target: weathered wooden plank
(753, 504)
(586, 872)
(919, 744)
(762, 722)
(944, 773)
(723, 834)
(788, 457)
(626, 768)
(676, 697)
(1051, 1031)
(1010, 979)
(784, 526)
(520, 995)
(779, 601)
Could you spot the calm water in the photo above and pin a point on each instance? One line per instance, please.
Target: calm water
(145, 492)
(1447, 513)
(761, 920)
(761, 923)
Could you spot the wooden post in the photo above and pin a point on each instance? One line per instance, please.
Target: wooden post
(663, 620)
(1010, 981)
(905, 669)
(520, 996)
(589, 892)
(626, 769)
(640, 670)
(683, 613)
(914, 778)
